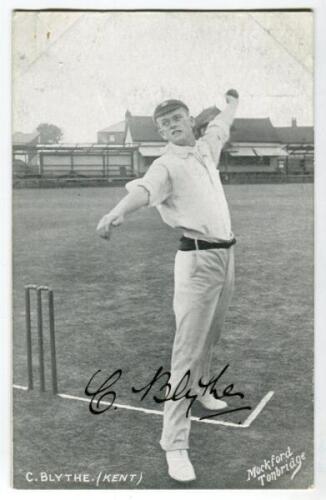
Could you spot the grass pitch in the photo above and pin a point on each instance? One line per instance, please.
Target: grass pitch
(113, 303)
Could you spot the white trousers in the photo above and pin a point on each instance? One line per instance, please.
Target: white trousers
(204, 281)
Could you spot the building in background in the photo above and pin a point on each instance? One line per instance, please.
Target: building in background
(115, 134)
(299, 144)
(255, 152)
(254, 145)
(25, 158)
(86, 161)
(74, 161)
(139, 132)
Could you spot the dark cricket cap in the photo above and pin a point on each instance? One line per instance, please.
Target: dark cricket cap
(167, 106)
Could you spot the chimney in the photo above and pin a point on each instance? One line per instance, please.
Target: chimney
(127, 114)
(294, 122)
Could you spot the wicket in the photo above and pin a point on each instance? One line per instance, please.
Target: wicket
(39, 290)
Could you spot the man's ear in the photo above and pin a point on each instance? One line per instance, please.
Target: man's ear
(192, 121)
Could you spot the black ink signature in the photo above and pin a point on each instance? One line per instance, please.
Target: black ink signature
(102, 391)
(181, 391)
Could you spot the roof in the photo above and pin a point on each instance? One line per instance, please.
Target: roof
(243, 129)
(253, 130)
(116, 127)
(117, 130)
(20, 138)
(142, 129)
(295, 134)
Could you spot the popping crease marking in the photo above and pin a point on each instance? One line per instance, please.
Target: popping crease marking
(254, 414)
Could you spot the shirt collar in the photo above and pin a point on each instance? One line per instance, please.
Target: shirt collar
(182, 151)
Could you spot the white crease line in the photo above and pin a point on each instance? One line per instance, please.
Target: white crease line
(107, 403)
(150, 412)
(254, 414)
(246, 423)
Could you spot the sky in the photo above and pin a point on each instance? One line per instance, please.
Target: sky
(82, 70)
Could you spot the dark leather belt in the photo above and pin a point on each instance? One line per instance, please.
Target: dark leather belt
(188, 244)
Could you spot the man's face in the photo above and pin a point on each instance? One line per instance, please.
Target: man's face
(177, 127)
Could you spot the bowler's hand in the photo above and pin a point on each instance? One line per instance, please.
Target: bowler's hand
(231, 95)
(104, 227)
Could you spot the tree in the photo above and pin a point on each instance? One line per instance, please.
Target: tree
(49, 134)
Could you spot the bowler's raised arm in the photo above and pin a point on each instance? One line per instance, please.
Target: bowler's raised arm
(232, 100)
(218, 130)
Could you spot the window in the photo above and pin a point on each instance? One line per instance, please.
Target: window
(111, 138)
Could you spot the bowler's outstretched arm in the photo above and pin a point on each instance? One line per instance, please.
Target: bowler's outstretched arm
(134, 200)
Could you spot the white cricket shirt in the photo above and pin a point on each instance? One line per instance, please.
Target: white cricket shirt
(184, 185)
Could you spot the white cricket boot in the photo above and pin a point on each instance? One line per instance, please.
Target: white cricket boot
(180, 467)
(211, 403)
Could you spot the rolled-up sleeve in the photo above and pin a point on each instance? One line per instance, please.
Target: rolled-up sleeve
(157, 183)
